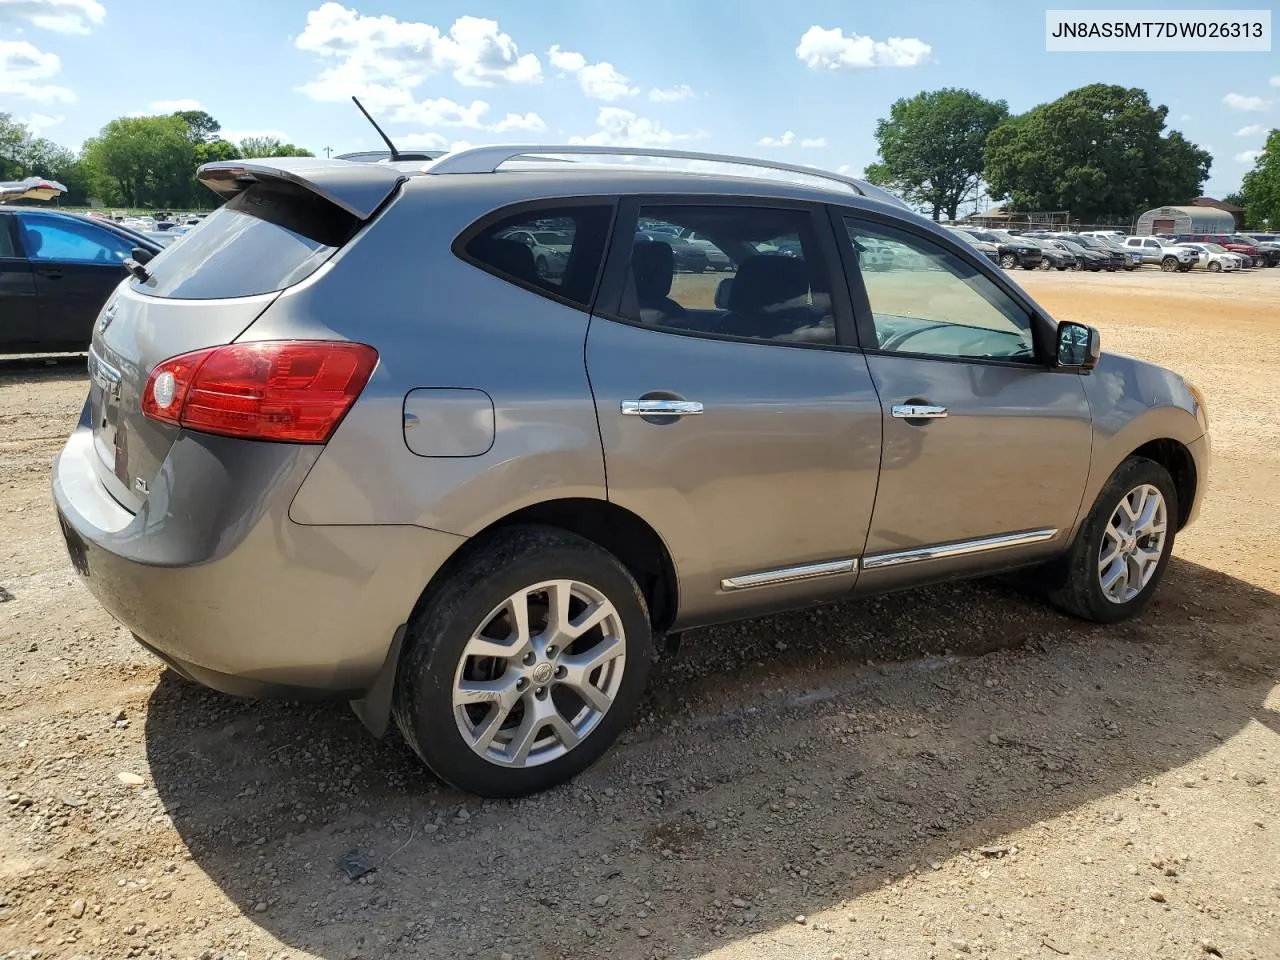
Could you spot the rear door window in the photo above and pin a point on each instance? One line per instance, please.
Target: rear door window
(262, 240)
(555, 250)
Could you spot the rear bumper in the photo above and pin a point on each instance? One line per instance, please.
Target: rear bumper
(213, 577)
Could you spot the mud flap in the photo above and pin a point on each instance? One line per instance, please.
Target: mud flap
(374, 708)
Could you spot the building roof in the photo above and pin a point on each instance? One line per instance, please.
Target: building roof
(1218, 204)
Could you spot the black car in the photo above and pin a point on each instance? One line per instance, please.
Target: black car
(688, 257)
(56, 272)
(1013, 253)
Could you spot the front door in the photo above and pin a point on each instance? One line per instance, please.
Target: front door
(986, 449)
(19, 309)
(735, 417)
(76, 266)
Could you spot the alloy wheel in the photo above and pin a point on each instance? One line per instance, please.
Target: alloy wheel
(1133, 543)
(539, 674)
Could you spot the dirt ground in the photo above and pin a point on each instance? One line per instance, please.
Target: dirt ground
(946, 773)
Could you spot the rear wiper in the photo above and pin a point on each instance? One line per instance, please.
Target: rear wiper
(137, 269)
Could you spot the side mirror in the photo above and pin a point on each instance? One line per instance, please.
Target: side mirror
(722, 293)
(141, 254)
(1079, 346)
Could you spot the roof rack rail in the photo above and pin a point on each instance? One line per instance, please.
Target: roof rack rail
(488, 158)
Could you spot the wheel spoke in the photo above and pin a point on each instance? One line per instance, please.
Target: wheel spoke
(1117, 576)
(518, 611)
(587, 661)
(530, 726)
(1134, 510)
(1146, 560)
(479, 646)
(588, 692)
(593, 616)
(564, 731)
(559, 594)
(486, 691)
(1150, 508)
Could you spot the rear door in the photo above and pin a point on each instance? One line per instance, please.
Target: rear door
(19, 306)
(736, 414)
(76, 265)
(986, 449)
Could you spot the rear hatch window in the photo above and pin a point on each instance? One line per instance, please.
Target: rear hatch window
(268, 237)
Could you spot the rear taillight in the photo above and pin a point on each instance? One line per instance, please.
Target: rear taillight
(295, 391)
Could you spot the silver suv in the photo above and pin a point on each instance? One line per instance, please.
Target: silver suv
(346, 440)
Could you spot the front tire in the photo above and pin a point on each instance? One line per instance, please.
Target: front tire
(1169, 264)
(1008, 261)
(1120, 554)
(525, 664)
(1215, 267)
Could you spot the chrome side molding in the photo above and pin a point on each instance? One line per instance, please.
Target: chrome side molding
(767, 578)
(943, 551)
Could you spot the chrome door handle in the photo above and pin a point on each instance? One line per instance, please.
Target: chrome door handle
(660, 408)
(918, 411)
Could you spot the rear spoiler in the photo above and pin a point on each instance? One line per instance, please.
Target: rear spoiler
(358, 188)
(32, 188)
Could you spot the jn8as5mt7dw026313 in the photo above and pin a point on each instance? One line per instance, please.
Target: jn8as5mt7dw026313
(348, 440)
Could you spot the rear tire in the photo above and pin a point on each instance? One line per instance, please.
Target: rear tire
(508, 725)
(1077, 582)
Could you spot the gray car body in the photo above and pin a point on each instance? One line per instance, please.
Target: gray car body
(262, 567)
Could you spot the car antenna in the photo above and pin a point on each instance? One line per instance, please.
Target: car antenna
(395, 154)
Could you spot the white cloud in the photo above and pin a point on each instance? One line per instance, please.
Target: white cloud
(1248, 156)
(1237, 101)
(24, 70)
(785, 140)
(1275, 81)
(843, 168)
(599, 81)
(618, 127)
(823, 49)
(422, 141)
(381, 59)
(814, 142)
(40, 121)
(671, 94)
(526, 123)
(1184, 118)
(60, 16)
(173, 106)
(1252, 130)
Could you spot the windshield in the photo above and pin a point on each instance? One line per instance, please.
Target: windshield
(983, 235)
(1213, 247)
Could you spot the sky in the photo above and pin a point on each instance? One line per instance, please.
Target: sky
(802, 82)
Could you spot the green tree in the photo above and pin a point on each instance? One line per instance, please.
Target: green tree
(141, 161)
(1094, 151)
(251, 147)
(1260, 191)
(931, 147)
(23, 154)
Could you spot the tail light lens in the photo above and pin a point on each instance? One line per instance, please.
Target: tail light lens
(294, 391)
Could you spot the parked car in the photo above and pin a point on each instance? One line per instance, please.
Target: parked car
(56, 271)
(1115, 242)
(1166, 254)
(1117, 257)
(550, 249)
(1086, 258)
(688, 257)
(1013, 251)
(717, 259)
(1216, 258)
(343, 440)
(1055, 258)
(1268, 245)
(30, 188)
(989, 250)
(1245, 247)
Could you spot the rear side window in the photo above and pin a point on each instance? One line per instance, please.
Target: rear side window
(264, 239)
(555, 251)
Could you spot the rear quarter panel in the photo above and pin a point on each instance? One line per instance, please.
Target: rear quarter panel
(437, 321)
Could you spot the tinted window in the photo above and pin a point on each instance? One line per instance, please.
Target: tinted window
(924, 300)
(6, 239)
(556, 250)
(66, 240)
(751, 272)
(262, 240)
